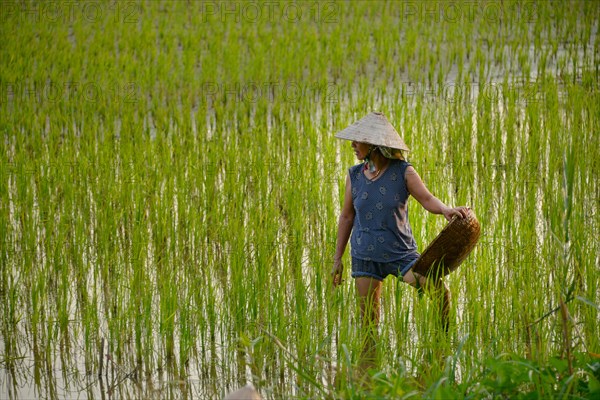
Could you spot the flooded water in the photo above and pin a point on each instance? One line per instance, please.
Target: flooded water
(178, 268)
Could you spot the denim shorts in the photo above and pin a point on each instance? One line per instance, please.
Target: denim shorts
(379, 270)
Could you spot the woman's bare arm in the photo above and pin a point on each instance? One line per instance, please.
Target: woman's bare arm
(419, 191)
(345, 223)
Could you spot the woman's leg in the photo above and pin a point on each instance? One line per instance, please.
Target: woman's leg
(369, 292)
(437, 289)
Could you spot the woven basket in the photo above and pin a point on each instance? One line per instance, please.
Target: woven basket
(449, 249)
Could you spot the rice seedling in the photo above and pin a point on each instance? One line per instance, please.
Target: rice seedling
(170, 187)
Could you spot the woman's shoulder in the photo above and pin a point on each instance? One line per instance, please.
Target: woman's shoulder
(355, 172)
(355, 168)
(402, 164)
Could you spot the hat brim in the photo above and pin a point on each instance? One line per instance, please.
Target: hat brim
(374, 129)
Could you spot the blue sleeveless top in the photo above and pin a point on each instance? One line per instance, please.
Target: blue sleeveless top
(381, 231)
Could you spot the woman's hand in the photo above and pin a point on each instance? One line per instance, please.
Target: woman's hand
(461, 212)
(336, 272)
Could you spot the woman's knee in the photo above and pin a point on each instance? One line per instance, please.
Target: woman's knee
(411, 278)
(369, 290)
(367, 287)
(430, 285)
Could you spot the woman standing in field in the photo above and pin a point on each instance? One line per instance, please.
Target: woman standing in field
(375, 211)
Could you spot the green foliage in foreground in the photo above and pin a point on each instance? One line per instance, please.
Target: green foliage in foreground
(170, 187)
(502, 377)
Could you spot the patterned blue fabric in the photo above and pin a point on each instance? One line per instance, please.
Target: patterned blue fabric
(379, 270)
(381, 230)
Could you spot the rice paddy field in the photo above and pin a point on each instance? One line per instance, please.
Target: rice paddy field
(170, 187)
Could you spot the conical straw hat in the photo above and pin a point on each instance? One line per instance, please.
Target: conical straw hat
(374, 129)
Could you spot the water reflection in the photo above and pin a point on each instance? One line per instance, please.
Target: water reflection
(67, 374)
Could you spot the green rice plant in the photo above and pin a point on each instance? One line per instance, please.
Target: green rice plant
(159, 206)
